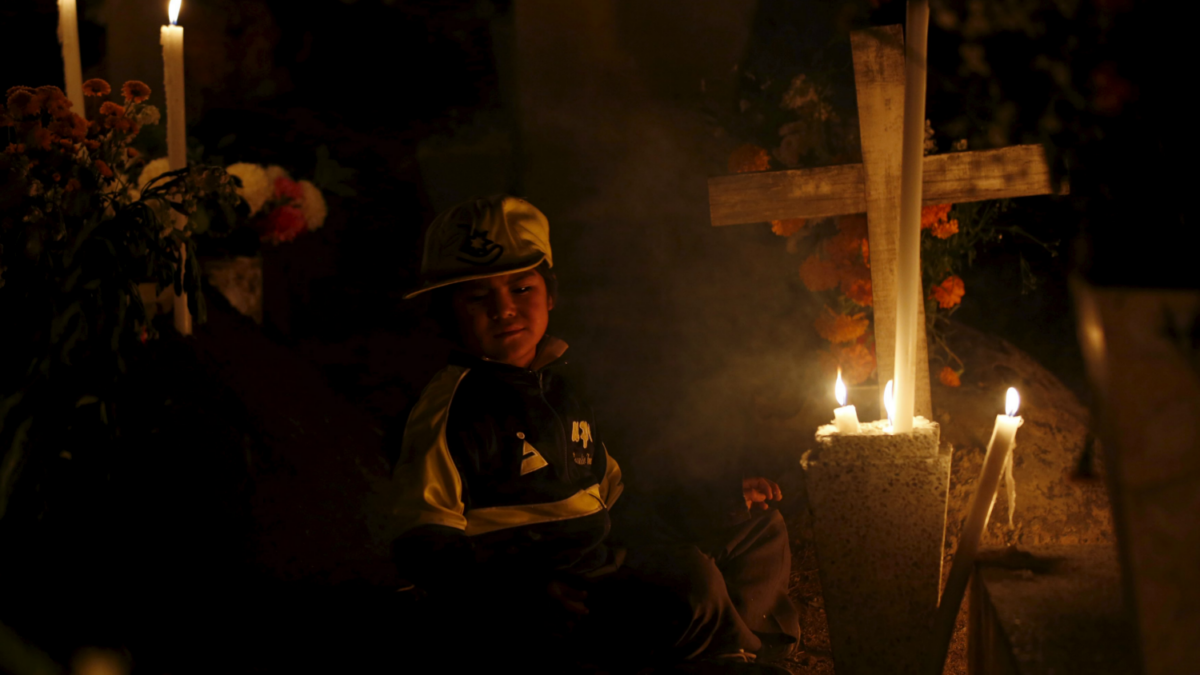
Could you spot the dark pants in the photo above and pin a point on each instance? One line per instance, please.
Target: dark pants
(680, 599)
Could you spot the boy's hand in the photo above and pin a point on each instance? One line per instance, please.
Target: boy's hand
(759, 491)
(571, 599)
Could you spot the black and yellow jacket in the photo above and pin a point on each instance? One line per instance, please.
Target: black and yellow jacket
(502, 471)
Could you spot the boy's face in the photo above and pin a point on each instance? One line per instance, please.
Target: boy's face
(504, 317)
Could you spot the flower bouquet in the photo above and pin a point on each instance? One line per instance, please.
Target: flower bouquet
(76, 240)
(279, 209)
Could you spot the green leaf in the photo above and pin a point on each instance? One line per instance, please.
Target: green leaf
(332, 176)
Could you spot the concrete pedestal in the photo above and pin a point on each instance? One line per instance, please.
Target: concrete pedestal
(879, 512)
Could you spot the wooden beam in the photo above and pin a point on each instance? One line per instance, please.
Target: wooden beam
(957, 177)
(775, 195)
(953, 178)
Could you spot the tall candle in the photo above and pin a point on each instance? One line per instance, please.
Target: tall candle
(908, 264)
(1004, 436)
(68, 35)
(172, 44)
(845, 417)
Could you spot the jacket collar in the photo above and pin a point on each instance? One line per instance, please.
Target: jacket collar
(549, 353)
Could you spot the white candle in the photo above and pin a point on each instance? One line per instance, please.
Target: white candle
(1004, 436)
(889, 405)
(68, 35)
(908, 272)
(172, 44)
(845, 417)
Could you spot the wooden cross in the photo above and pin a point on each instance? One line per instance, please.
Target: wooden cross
(874, 187)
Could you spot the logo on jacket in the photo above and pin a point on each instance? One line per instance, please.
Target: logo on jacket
(531, 459)
(581, 432)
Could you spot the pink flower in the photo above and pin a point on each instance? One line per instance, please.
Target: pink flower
(283, 224)
(289, 189)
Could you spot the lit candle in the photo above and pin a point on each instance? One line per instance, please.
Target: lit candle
(845, 417)
(889, 405)
(172, 44)
(1004, 436)
(68, 35)
(908, 264)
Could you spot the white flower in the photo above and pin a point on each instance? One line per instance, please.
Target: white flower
(314, 206)
(148, 115)
(152, 170)
(275, 171)
(256, 188)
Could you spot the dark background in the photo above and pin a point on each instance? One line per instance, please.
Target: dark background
(600, 114)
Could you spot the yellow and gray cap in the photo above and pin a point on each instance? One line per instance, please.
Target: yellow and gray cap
(482, 238)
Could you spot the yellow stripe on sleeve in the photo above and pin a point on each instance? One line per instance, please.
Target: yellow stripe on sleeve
(611, 486)
(428, 488)
(492, 518)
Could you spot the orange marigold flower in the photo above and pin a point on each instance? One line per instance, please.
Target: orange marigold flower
(23, 102)
(749, 158)
(948, 377)
(96, 87)
(859, 291)
(92, 145)
(819, 275)
(72, 185)
(839, 328)
(41, 137)
(856, 361)
(944, 228)
(15, 148)
(59, 107)
(788, 226)
(949, 293)
(135, 91)
(15, 89)
(102, 167)
(111, 109)
(931, 215)
(72, 126)
(844, 247)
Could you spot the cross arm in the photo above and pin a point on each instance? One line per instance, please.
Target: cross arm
(1017, 171)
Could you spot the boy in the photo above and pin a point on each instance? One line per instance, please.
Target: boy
(505, 487)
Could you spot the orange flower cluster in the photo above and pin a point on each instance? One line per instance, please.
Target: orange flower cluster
(788, 226)
(842, 262)
(859, 291)
(949, 293)
(856, 361)
(838, 328)
(818, 274)
(949, 378)
(749, 158)
(937, 219)
(55, 152)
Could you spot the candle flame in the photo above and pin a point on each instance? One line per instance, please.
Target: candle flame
(839, 389)
(173, 10)
(1012, 401)
(888, 403)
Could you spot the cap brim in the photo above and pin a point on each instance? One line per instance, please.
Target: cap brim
(431, 285)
